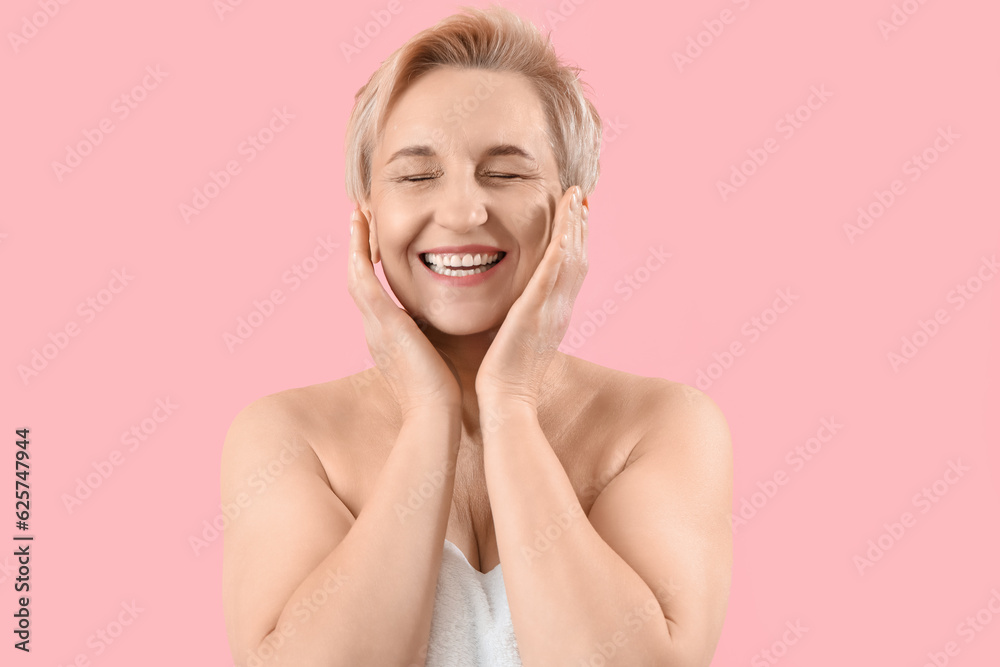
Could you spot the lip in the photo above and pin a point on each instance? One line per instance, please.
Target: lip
(464, 281)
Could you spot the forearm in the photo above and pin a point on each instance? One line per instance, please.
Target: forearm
(386, 566)
(571, 596)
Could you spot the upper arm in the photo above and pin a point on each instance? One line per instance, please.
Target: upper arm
(288, 518)
(667, 515)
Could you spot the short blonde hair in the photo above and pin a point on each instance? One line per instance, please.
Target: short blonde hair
(492, 39)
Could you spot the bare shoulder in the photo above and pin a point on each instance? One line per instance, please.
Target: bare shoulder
(311, 409)
(272, 411)
(284, 413)
(286, 439)
(270, 431)
(281, 508)
(678, 405)
(325, 429)
(662, 411)
(286, 419)
(667, 513)
(609, 385)
(687, 431)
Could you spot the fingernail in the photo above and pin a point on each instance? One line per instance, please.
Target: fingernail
(352, 226)
(354, 214)
(574, 198)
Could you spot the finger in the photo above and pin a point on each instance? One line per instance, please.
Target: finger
(566, 231)
(569, 280)
(359, 230)
(577, 222)
(365, 287)
(355, 277)
(573, 244)
(544, 279)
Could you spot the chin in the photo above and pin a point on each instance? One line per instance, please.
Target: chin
(456, 313)
(461, 330)
(453, 322)
(456, 318)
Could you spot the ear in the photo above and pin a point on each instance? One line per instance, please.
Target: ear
(372, 234)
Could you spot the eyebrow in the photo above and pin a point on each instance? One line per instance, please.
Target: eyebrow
(427, 151)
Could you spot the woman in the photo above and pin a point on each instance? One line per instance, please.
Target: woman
(479, 497)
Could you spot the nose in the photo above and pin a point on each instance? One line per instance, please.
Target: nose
(462, 204)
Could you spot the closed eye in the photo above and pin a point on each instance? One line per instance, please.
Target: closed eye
(417, 179)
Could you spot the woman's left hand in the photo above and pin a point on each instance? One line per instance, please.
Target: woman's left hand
(525, 345)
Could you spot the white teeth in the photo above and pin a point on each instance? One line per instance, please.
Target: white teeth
(441, 263)
(466, 260)
(458, 272)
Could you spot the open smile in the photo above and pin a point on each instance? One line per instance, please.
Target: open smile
(458, 265)
(462, 266)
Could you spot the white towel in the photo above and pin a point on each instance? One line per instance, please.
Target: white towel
(471, 625)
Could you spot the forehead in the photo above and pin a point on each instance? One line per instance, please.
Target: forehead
(466, 110)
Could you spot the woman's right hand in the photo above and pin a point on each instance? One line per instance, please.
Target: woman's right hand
(417, 374)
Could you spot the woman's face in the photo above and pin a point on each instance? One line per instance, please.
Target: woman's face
(464, 162)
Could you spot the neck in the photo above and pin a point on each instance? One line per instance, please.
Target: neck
(466, 353)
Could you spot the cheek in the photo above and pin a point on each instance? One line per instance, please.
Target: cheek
(393, 229)
(534, 233)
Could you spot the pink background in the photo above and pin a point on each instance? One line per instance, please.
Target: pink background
(672, 133)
